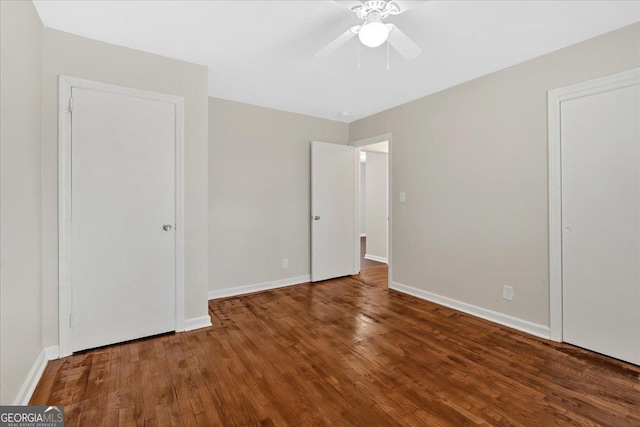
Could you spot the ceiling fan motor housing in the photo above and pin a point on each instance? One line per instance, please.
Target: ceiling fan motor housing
(376, 10)
(374, 16)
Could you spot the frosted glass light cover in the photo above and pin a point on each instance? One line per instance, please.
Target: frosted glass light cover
(373, 34)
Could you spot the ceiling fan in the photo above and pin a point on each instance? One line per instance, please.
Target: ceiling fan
(373, 32)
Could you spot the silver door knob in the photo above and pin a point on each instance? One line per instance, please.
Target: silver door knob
(316, 218)
(167, 227)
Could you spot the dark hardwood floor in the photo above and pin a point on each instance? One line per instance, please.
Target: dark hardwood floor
(346, 352)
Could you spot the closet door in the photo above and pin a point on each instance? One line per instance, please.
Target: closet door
(122, 218)
(600, 139)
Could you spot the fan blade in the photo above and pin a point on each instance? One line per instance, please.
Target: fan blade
(403, 44)
(350, 4)
(404, 5)
(334, 45)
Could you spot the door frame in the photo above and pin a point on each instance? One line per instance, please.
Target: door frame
(361, 143)
(555, 98)
(65, 290)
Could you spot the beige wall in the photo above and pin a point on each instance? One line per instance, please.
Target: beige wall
(376, 193)
(259, 191)
(20, 195)
(67, 54)
(473, 162)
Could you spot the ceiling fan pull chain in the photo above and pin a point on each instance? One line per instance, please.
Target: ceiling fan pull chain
(387, 54)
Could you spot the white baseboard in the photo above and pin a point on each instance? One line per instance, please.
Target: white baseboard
(375, 258)
(363, 234)
(493, 316)
(264, 286)
(35, 373)
(30, 383)
(52, 353)
(197, 323)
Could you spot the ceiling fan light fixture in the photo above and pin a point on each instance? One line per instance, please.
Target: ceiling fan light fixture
(373, 34)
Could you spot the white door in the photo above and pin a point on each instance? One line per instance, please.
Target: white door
(600, 140)
(333, 207)
(123, 195)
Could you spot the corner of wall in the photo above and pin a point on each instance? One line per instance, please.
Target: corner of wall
(22, 360)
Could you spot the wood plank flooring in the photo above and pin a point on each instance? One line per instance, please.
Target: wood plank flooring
(346, 352)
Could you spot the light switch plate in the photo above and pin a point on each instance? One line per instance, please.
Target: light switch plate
(403, 197)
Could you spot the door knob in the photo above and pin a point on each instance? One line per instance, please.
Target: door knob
(167, 227)
(316, 218)
(567, 229)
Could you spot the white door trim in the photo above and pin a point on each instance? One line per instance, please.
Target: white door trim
(360, 143)
(65, 290)
(555, 98)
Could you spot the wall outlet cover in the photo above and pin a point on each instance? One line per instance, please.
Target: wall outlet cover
(507, 292)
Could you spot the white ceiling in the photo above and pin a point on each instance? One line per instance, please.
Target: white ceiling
(261, 52)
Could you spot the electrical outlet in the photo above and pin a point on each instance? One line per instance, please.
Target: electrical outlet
(507, 292)
(285, 263)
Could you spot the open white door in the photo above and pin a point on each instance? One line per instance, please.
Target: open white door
(333, 206)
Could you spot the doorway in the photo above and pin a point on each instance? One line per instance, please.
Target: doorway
(335, 209)
(376, 155)
(594, 163)
(120, 214)
(374, 204)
